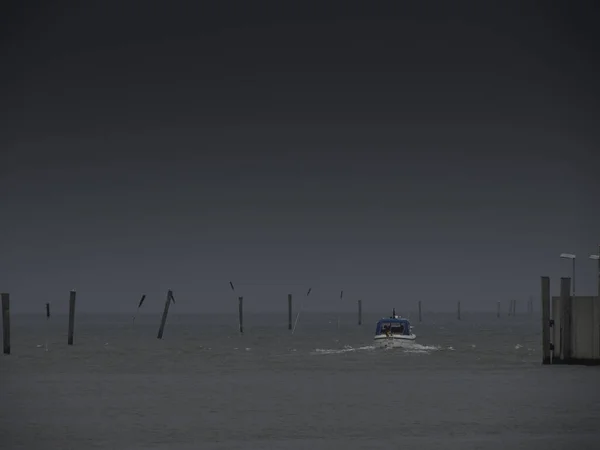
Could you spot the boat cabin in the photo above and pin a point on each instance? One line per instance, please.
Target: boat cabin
(396, 326)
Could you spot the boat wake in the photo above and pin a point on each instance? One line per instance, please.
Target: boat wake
(337, 351)
(407, 347)
(413, 347)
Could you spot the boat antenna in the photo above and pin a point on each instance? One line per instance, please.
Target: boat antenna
(298, 315)
(394, 312)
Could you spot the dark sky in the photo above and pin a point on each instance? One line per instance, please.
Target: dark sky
(434, 151)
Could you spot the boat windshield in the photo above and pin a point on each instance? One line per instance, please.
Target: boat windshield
(401, 328)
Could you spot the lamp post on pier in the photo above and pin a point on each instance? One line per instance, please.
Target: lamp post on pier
(572, 258)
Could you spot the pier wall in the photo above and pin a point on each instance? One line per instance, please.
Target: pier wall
(576, 342)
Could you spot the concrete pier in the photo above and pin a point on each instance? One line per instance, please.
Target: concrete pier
(574, 327)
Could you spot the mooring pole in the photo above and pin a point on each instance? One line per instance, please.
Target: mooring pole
(420, 316)
(546, 359)
(163, 321)
(289, 311)
(6, 323)
(72, 298)
(598, 270)
(241, 313)
(47, 319)
(531, 305)
(360, 312)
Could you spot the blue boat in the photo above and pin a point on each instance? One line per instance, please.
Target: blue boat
(393, 331)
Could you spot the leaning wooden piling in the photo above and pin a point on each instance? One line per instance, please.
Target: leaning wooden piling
(420, 315)
(546, 346)
(360, 312)
(458, 310)
(566, 306)
(72, 298)
(6, 323)
(241, 313)
(163, 320)
(289, 311)
(598, 259)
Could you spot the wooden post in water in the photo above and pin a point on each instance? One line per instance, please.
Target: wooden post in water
(565, 318)
(47, 319)
(546, 320)
(514, 308)
(163, 321)
(289, 311)
(360, 312)
(458, 310)
(72, 298)
(598, 255)
(420, 316)
(241, 313)
(6, 323)
(498, 310)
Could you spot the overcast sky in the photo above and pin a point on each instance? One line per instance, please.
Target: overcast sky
(434, 151)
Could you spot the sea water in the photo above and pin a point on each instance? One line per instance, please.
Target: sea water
(474, 383)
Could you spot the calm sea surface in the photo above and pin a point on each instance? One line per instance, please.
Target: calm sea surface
(475, 383)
